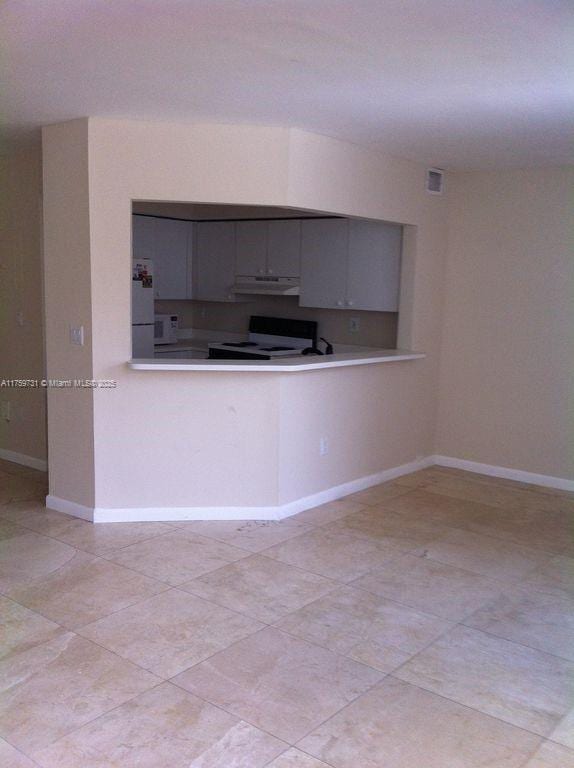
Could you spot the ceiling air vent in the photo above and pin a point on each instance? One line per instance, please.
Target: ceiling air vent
(435, 181)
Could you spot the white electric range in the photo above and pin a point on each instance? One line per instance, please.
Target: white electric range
(269, 337)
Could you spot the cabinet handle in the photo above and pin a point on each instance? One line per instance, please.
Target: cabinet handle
(340, 303)
(269, 271)
(261, 271)
(350, 302)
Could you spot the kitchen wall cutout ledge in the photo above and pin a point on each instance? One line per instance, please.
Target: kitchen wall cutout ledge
(279, 365)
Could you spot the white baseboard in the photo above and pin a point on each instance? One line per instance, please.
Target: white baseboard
(548, 481)
(70, 508)
(280, 512)
(170, 514)
(26, 461)
(354, 486)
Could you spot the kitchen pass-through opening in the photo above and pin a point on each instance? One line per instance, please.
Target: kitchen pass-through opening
(201, 272)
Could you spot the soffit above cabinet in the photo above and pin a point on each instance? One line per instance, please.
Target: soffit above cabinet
(210, 212)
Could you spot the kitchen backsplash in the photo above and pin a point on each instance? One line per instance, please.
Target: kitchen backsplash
(376, 329)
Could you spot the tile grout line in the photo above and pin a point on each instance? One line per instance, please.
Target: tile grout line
(173, 681)
(316, 645)
(307, 754)
(338, 712)
(74, 546)
(93, 719)
(243, 522)
(467, 706)
(248, 615)
(432, 488)
(371, 507)
(21, 752)
(338, 585)
(266, 625)
(261, 552)
(38, 610)
(338, 582)
(489, 534)
(176, 588)
(513, 642)
(184, 534)
(170, 679)
(291, 744)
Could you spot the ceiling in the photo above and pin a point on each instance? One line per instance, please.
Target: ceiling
(451, 83)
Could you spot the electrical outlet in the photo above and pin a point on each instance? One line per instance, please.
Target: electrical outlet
(323, 446)
(77, 335)
(20, 318)
(354, 324)
(5, 410)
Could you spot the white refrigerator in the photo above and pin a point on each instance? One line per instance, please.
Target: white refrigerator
(142, 308)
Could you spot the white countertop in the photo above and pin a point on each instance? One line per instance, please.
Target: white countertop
(280, 365)
(180, 346)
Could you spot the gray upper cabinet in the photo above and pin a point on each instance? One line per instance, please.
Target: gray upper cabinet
(251, 248)
(374, 266)
(214, 261)
(343, 263)
(284, 248)
(143, 237)
(324, 248)
(268, 248)
(171, 259)
(168, 243)
(350, 264)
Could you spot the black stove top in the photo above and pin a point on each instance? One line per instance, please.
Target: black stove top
(243, 344)
(268, 331)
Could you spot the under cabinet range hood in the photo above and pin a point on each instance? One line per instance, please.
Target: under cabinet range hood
(266, 285)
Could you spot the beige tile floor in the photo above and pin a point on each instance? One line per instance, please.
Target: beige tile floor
(424, 623)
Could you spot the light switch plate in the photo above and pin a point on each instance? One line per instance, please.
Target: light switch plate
(77, 335)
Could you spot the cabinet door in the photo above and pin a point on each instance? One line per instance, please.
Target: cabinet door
(214, 261)
(251, 247)
(284, 249)
(324, 245)
(170, 260)
(143, 237)
(374, 266)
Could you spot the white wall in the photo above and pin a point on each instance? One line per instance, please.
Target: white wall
(376, 417)
(207, 439)
(68, 278)
(246, 440)
(22, 345)
(507, 384)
